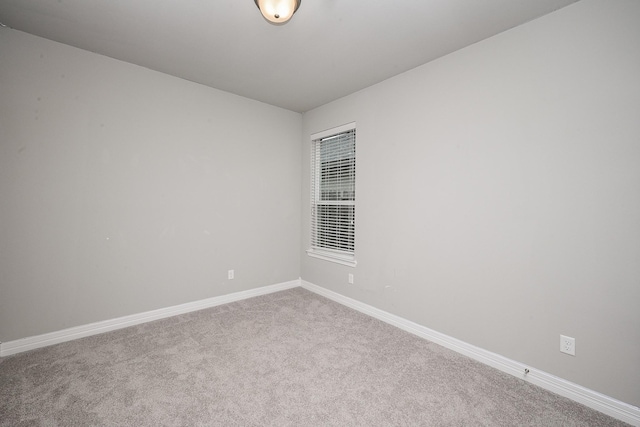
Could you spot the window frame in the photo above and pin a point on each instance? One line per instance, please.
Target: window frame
(347, 258)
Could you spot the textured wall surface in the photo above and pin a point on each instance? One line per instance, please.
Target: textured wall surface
(124, 190)
(498, 195)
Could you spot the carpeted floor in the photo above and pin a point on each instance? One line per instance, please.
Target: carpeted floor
(289, 358)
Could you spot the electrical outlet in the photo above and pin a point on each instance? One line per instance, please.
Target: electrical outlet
(568, 345)
(350, 279)
(230, 274)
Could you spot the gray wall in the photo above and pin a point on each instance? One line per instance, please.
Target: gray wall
(498, 195)
(124, 190)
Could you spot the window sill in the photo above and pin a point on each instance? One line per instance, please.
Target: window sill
(338, 258)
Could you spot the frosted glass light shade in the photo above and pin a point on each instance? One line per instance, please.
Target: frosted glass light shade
(278, 11)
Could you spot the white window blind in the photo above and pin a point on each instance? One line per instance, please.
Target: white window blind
(333, 197)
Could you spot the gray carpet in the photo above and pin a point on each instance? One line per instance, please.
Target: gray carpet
(289, 358)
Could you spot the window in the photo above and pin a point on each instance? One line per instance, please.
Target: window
(333, 195)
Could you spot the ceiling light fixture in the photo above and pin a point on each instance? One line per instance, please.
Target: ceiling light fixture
(278, 11)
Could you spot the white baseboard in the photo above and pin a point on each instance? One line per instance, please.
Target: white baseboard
(31, 343)
(592, 399)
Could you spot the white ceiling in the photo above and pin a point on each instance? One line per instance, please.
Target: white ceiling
(330, 48)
